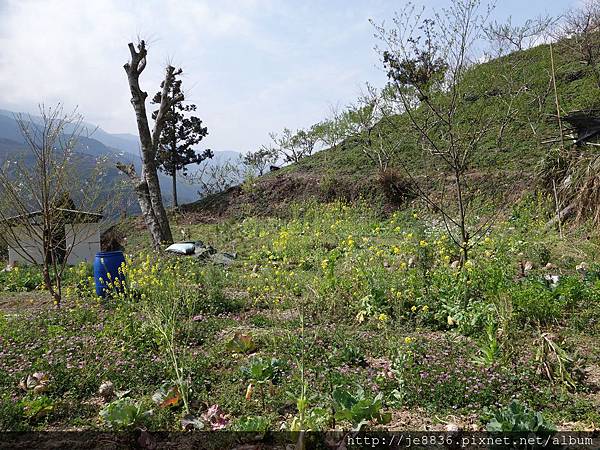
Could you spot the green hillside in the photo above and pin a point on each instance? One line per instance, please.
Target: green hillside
(522, 80)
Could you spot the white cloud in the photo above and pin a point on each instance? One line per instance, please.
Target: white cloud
(252, 66)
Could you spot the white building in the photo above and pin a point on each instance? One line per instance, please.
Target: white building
(77, 237)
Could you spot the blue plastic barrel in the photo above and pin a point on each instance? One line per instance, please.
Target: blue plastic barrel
(107, 263)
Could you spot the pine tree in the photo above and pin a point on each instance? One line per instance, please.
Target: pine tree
(181, 132)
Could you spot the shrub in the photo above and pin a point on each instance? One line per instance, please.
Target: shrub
(123, 413)
(257, 424)
(534, 301)
(357, 408)
(21, 279)
(397, 189)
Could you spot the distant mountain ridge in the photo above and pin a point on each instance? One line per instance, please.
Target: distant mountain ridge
(96, 142)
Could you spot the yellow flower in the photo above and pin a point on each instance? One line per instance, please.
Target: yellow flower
(423, 243)
(408, 340)
(469, 265)
(414, 308)
(383, 317)
(425, 308)
(360, 317)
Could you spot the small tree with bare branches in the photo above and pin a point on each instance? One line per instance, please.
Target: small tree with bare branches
(580, 29)
(38, 190)
(362, 125)
(506, 37)
(428, 61)
(217, 176)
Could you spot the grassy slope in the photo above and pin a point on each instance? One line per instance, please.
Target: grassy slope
(280, 274)
(522, 79)
(284, 263)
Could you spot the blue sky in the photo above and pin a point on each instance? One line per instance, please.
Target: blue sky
(251, 66)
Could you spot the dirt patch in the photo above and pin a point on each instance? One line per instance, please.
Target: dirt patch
(272, 195)
(20, 302)
(418, 419)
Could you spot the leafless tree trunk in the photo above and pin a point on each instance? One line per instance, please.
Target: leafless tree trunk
(147, 186)
(174, 163)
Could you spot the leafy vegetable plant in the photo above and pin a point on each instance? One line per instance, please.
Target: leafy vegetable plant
(123, 413)
(357, 409)
(518, 418)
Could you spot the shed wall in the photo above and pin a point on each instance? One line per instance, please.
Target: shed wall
(84, 238)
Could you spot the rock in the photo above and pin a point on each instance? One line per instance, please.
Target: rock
(582, 268)
(37, 382)
(223, 258)
(106, 390)
(552, 280)
(451, 426)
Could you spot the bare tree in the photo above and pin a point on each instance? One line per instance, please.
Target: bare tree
(580, 29)
(146, 185)
(258, 161)
(428, 62)
(506, 37)
(362, 125)
(38, 187)
(217, 176)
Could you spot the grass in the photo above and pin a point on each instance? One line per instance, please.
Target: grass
(504, 168)
(332, 298)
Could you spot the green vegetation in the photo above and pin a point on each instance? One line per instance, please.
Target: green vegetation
(354, 302)
(334, 316)
(518, 418)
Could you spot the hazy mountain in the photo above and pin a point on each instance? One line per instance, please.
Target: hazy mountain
(96, 142)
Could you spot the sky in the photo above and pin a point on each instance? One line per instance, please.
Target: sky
(251, 66)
